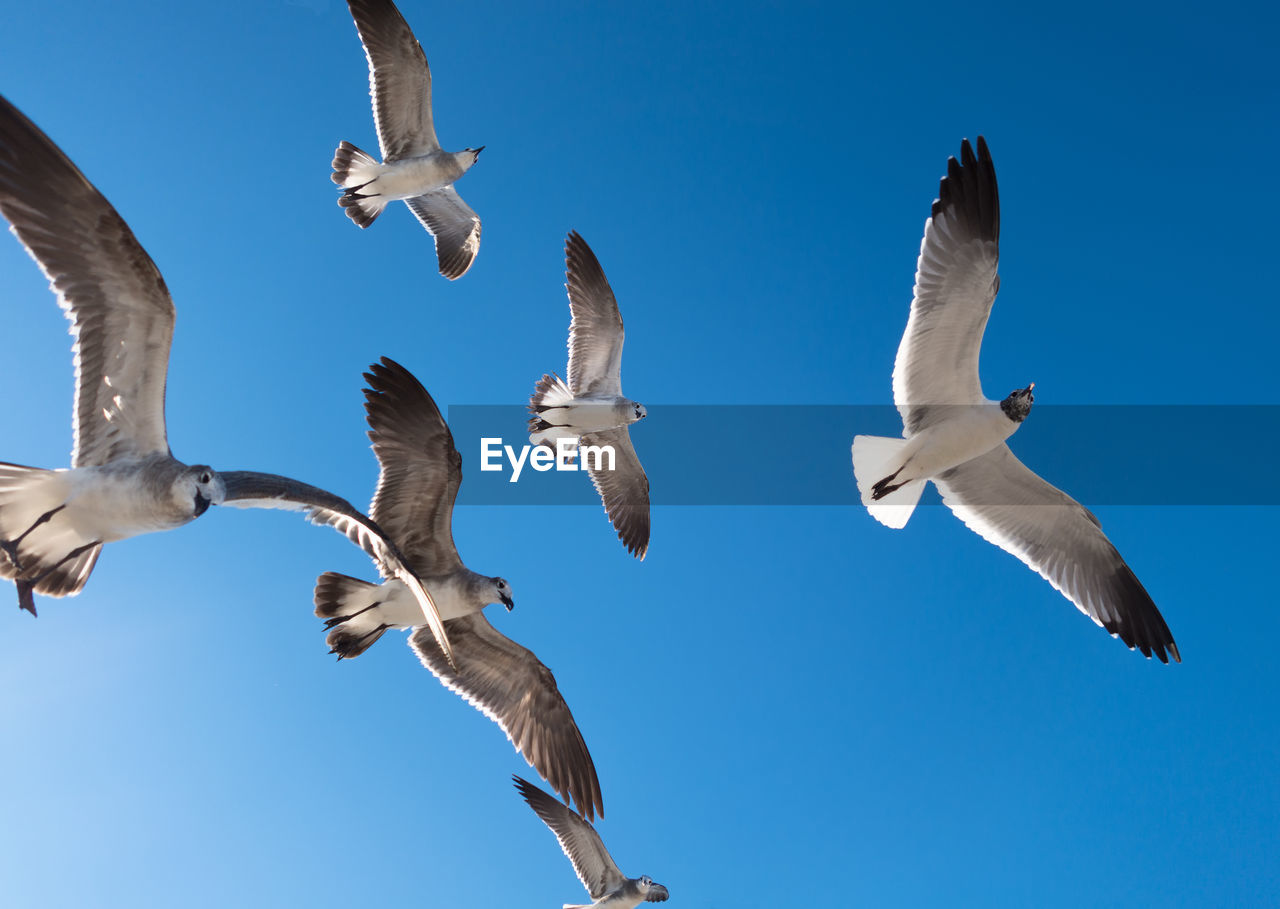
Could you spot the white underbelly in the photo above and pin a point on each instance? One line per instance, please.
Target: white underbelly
(969, 433)
(413, 177)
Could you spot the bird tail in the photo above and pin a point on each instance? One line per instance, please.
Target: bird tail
(875, 460)
(551, 392)
(353, 170)
(349, 607)
(38, 552)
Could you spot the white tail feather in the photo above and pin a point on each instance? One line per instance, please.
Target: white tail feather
(877, 457)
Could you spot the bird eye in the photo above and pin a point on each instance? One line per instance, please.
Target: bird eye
(204, 477)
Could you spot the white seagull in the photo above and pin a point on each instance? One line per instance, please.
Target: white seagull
(123, 480)
(608, 887)
(590, 410)
(955, 437)
(421, 471)
(414, 167)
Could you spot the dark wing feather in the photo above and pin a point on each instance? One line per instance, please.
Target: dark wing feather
(248, 489)
(119, 307)
(1007, 504)
(595, 331)
(421, 468)
(399, 80)
(624, 490)
(453, 225)
(579, 840)
(956, 284)
(510, 686)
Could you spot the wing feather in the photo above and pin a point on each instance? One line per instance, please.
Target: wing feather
(454, 226)
(1007, 504)
(595, 331)
(399, 80)
(624, 490)
(579, 840)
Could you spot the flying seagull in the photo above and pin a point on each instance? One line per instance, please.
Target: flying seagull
(123, 479)
(414, 167)
(609, 888)
(590, 410)
(955, 437)
(421, 471)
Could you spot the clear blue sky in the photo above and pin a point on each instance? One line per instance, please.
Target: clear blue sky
(787, 705)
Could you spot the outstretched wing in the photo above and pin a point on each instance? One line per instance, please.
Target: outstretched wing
(624, 490)
(453, 225)
(956, 283)
(1008, 505)
(579, 840)
(421, 468)
(510, 686)
(248, 489)
(119, 307)
(595, 331)
(399, 80)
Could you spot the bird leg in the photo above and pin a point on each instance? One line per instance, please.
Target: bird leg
(10, 547)
(884, 487)
(338, 620)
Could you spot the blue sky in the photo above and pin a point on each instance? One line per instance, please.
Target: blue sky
(786, 705)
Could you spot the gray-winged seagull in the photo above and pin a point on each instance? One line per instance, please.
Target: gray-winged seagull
(955, 437)
(608, 887)
(414, 167)
(590, 408)
(123, 479)
(421, 471)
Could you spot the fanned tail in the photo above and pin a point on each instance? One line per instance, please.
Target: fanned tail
(354, 170)
(349, 607)
(876, 460)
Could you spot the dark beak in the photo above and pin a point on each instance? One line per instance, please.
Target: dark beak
(478, 150)
(202, 504)
(509, 603)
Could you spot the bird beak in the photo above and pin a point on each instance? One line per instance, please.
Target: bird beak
(202, 504)
(509, 603)
(478, 150)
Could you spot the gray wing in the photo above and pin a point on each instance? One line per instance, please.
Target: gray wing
(119, 307)
(399, 80)
(579, 840)
(510, 686)
(249, 489)
(595, 332)
(453, 225)
(421, 468)
(624, 490)
(1008, 505)
(956, 283)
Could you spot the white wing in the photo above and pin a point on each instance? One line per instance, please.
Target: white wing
(623, 490)
(512, 687)
(595, 332)
(248, 489)
(399, 80)
(579, 840)
(956, 283)
(455, 227)
(1006, 504)
(119, 307)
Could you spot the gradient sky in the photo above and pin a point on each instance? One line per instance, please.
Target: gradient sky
(787, 705)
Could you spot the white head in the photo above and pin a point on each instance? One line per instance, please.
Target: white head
(196, 488)
(468, 157)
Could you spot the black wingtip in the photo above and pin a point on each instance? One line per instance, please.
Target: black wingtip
(969, 192)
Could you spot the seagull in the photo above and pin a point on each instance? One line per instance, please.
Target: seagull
(421, 471)
(955, 437)
(608, 887)
(124, 479)
(590, 410)
(414, 167)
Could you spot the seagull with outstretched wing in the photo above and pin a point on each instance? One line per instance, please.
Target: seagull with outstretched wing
(589, 412)
(955, 437)
(421, 471)
(414, 167)
(123, 480)
(609, 888)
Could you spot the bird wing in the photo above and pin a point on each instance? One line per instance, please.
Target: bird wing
(399, 80)
(956, 283)
(624, 489)
(1006, 504)
(453, 225)
(249, 489)
(421, 468)
(595, 331)
(510, 686)
(119, 307)
(579, 840)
